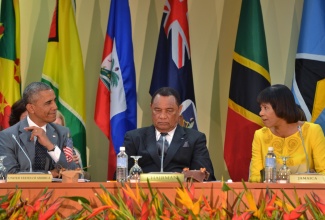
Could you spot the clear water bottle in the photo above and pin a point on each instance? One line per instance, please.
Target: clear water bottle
(122, 166)
(270, 166)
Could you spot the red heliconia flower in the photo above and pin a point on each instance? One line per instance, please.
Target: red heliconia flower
(42, 200)
(98, 210)
(4, 205)
(145, 210)
(165, 215)
(29, 210)
(319, 202)
(128, 200)
(51, 210)
(191, 191)
(243, 216)
(270, 205)
(208, 208)
(296, 213)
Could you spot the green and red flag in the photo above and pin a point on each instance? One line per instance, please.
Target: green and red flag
(9, 59)
(250, 75)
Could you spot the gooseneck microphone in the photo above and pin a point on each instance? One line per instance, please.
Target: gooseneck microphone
(162, 153)
(30, 163)
(303, 144)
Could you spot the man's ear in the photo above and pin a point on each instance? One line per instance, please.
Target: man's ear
(30, 108)
(180, 107)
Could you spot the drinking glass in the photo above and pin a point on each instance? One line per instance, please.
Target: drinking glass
(3, 170)
(135, 171)
(284, 172)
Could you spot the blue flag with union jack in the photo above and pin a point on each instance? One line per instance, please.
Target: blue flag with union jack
(173, 66)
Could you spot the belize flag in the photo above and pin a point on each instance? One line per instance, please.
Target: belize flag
(116, 103)
(309, 79)
(173, 66)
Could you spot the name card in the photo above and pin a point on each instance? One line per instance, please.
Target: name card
(307, 178)
(161, 177)
(29, 177)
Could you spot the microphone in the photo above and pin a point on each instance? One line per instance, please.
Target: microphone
(30, 163)
(162, 153)
(303, 144)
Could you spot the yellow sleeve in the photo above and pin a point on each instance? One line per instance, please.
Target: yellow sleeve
(316, 145)
(257, 161)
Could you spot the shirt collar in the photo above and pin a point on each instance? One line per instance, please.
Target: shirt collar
(31, 123)
(169, 135)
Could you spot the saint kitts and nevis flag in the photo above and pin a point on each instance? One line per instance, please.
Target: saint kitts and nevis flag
(9, 59)
(309, 79)
(63, 70)
(116, 103)
(173, 67)
(250, 75)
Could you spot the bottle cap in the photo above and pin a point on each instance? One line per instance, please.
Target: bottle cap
(122, 148)
(270, 148)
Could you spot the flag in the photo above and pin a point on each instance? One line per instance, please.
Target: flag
(309, 78)
(68, 152)
(250, 75)
(116, 102)
(63, 70)
(68, 149)
(173, 65)
(9, 59)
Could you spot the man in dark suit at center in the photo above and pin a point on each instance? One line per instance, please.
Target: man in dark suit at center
(185, 148)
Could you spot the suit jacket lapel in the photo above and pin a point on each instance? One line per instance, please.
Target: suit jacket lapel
(151, 147)
(52, 134)
(27, 144)
(177, 141)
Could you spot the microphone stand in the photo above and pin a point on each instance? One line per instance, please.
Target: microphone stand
(22, 149)
(303, 144)
(162, 155)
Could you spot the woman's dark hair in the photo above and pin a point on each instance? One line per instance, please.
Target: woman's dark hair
(301, 113)
(17, 109)
(282, 101)
(167, 91)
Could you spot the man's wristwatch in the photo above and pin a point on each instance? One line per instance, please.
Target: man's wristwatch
(52, 148)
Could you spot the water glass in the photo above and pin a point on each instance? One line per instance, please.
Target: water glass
(135, 171)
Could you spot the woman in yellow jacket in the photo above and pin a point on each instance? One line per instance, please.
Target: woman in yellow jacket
(281, 118)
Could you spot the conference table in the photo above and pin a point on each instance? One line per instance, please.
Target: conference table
(212, 190)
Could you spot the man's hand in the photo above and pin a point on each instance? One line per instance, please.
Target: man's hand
(55, 173)
(39, 133)
(75, 159)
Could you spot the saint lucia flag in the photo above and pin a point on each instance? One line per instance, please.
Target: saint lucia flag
(173, 66)
(116, 103)
(9, 58)
(250, 75)
(63, 70)
(309, 79)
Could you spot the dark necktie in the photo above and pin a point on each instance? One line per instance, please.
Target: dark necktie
(40, 156)
(160, 144)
